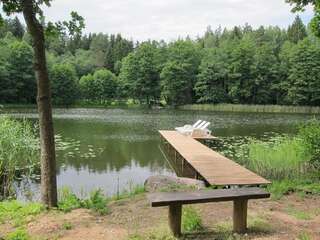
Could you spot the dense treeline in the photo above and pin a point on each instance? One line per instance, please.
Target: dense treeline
(268, 65)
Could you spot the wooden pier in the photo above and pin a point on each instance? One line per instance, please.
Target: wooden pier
(198, 161)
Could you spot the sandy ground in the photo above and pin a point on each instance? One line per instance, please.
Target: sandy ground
(267, 220)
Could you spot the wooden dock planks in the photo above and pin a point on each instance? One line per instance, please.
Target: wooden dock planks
(212, 166)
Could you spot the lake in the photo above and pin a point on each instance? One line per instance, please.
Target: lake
(114, 149)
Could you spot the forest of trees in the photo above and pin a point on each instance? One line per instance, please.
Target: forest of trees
(267, 65)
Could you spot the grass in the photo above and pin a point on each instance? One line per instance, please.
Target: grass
(97, 201)
(17, 212)
(304, 236)
(18, 234)
(285, 158)
(251, 108)
(191, 220)
(300, 215)
(133, 190)
(158, 234)
(303, 187)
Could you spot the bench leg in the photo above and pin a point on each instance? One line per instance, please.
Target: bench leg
(240, 216)
(175, 211)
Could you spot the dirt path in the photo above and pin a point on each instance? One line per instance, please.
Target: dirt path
(292, 217)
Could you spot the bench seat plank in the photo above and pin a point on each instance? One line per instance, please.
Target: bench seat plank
(204, 196)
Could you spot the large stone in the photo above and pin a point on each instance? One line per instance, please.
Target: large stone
(169, 183)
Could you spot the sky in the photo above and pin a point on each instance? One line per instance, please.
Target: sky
(170, 19)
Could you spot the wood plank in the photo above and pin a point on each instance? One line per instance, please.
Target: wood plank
(215, 168)
(204, 196)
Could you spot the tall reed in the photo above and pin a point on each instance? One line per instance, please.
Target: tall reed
(19, 153)
(223, 107)
(284, 158)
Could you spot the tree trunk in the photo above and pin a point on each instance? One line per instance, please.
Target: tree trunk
(48, 160)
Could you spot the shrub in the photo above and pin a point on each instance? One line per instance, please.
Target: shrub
(97, 202)
(191, 220)
(310, 135)
(19, 153)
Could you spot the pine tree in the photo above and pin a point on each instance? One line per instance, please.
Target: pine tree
(297, 31)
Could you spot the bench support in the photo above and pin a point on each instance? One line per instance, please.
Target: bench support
(175, 211)
(240, 216)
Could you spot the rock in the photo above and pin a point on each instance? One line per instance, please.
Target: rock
(162, 183)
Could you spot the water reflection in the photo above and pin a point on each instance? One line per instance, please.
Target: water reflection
(111, 148)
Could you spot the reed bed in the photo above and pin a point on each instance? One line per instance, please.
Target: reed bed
(251, 108)
(19, 153)
(285, 158)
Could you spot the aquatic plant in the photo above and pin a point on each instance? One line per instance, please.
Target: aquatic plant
(19, 153)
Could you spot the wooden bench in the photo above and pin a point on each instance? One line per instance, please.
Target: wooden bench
(239, 196)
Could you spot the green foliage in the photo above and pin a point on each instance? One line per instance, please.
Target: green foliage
(131, 192)
(310, 135)
(304, 236)
(67, 226)
(19, 234)
(17, 59)
(64, 84)
(214, 75)
(281, 159)
(267, 65)
(139, 74)
(297, 31)
(299, 5)
(191, 220)
(97, 202)
(18, 212)
(303, 78)
(68, 200)
(306, 185)
(298, 214)
(179, 73)
(18, 153)
(100, 86)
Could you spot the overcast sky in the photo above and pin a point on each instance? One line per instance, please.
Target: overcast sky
(170, 19)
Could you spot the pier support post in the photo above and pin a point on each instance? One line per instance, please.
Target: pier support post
(240, 215)
(175, 211)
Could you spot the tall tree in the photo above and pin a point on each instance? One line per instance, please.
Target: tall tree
(297, 31)
(33, 16)
(304, 74)
(140, 74)
(299, 5)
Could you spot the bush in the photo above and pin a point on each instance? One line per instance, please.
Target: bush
(19, 153)
(97, 202)
(310, 135)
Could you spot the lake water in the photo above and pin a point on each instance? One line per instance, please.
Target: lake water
(114, 149)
